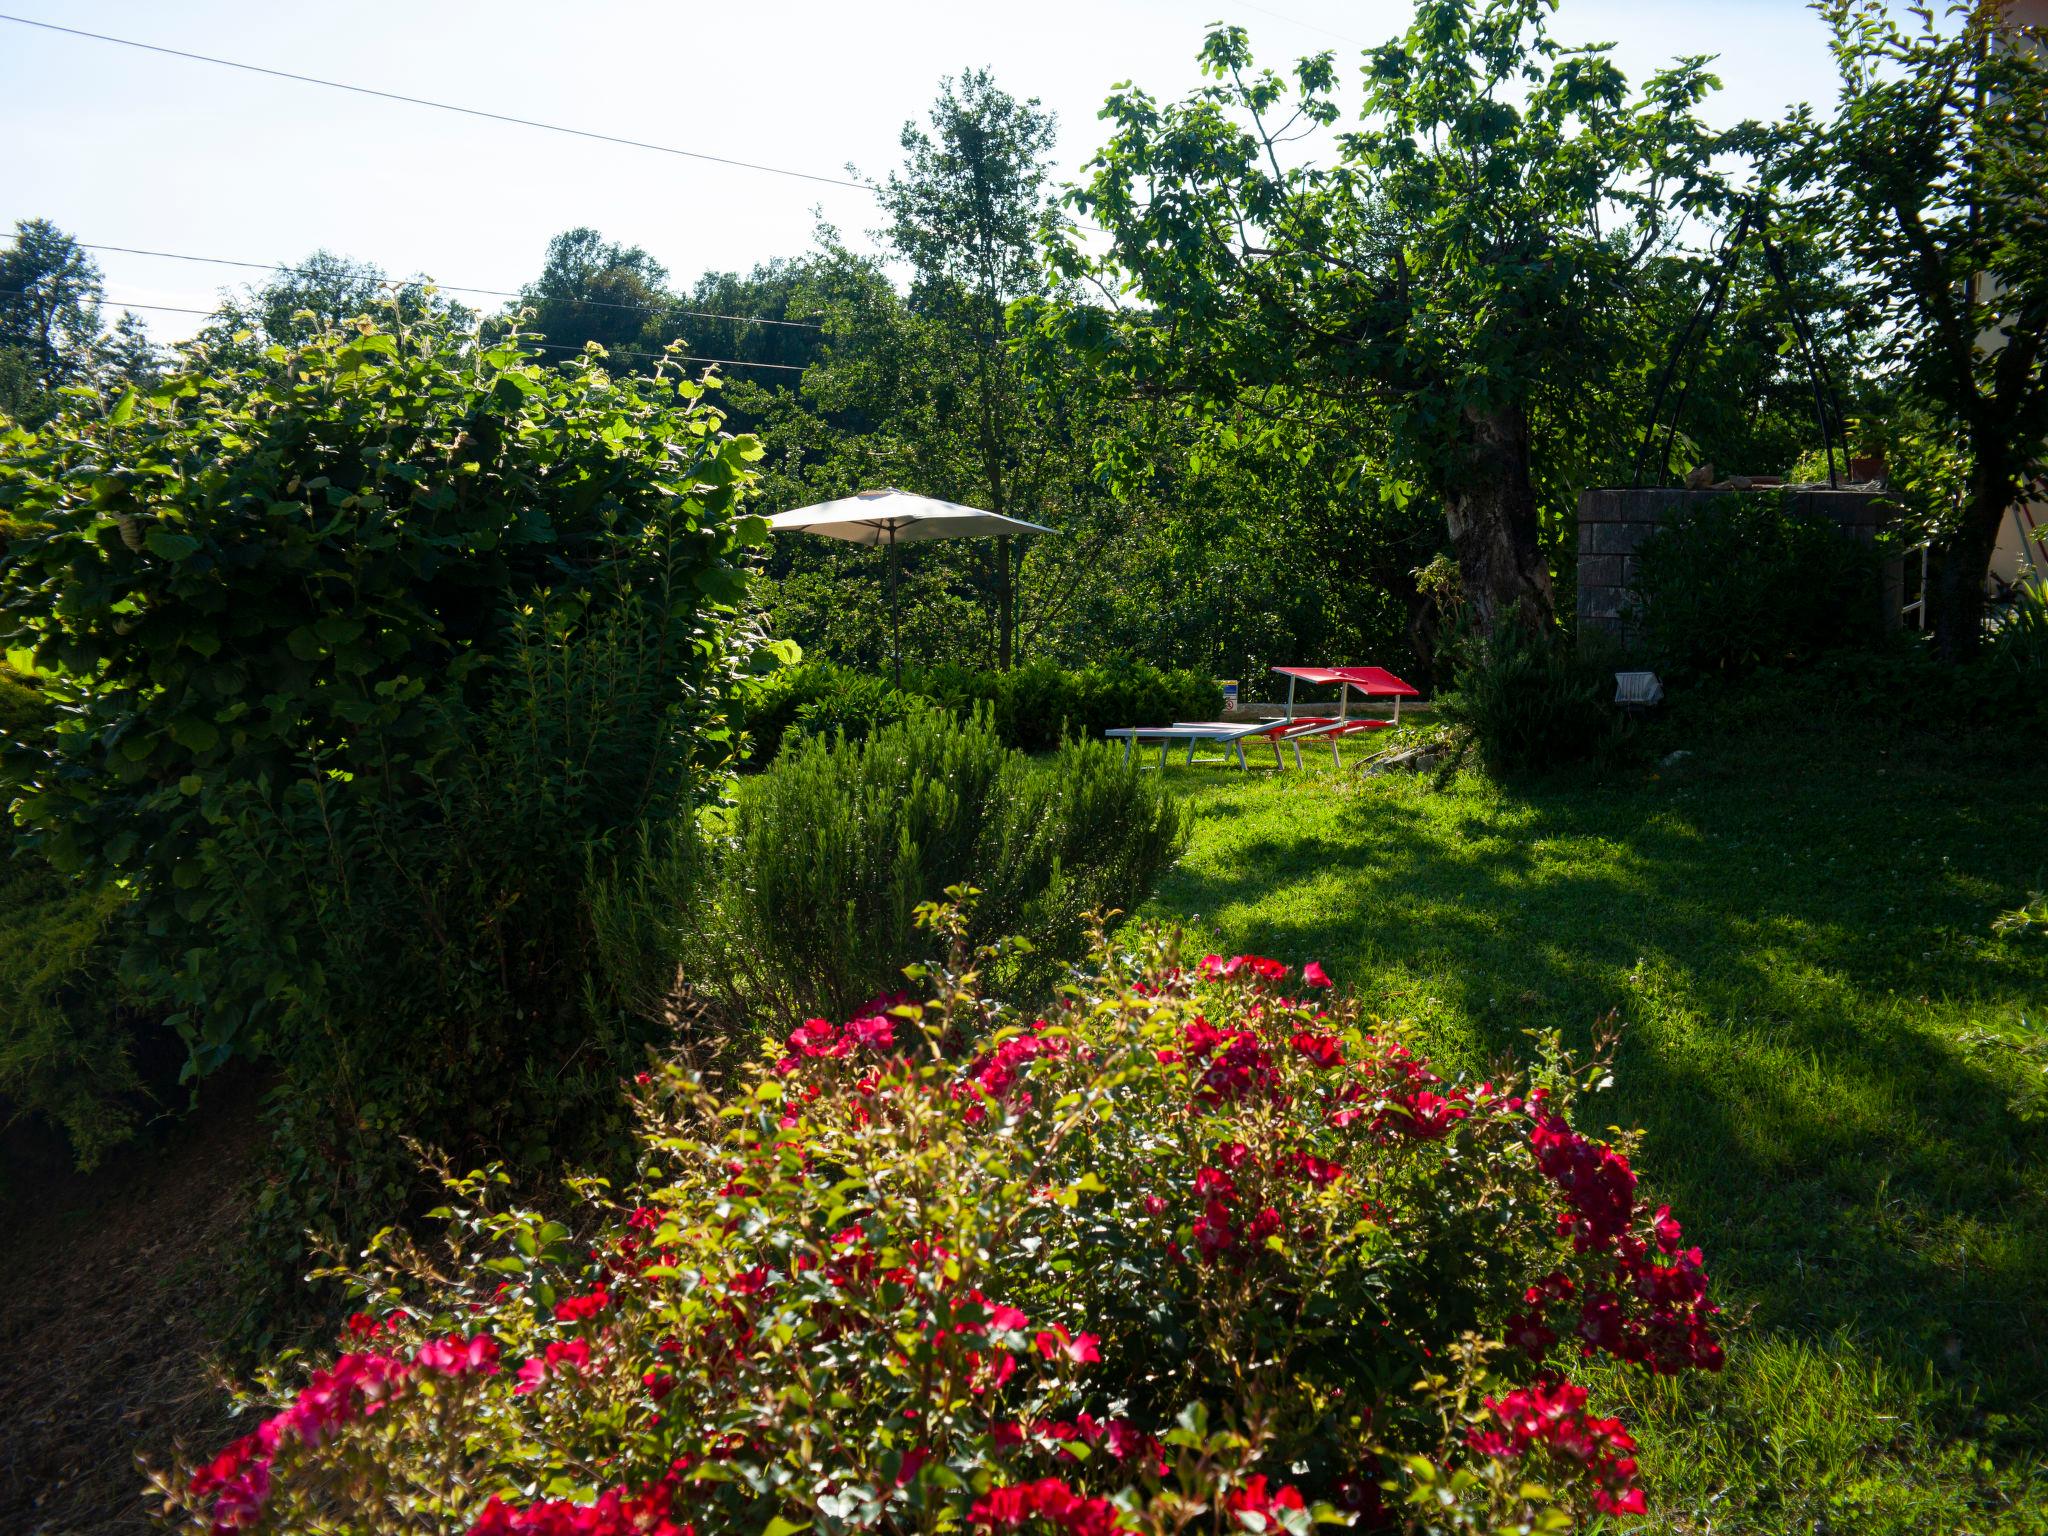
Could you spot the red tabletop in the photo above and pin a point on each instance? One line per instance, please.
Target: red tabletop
(1375, 682)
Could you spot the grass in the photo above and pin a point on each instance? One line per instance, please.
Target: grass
(1838, 1065)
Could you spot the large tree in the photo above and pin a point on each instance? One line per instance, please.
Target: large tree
(1932, 176)
(50, 295)
(1465, 252)
(591, 289)
(965, 213)
(296, 303)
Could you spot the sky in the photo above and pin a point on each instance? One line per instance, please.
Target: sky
(126, 148)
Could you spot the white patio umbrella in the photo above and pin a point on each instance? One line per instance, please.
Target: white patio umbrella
(890, 517)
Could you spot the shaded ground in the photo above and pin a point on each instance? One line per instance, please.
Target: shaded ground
(1838, 1064)
(113, 1281)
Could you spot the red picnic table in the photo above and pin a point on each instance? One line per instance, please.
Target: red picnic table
(1371, 682)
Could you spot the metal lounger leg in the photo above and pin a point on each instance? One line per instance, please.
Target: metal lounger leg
(1127, 751)
(1241, 763)
(1279, 762)
(1162, 754)
(1297, 753)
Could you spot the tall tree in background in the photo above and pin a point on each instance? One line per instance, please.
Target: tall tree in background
(1470, 250)
(762, 323)
(965, 213)
(300, 302)
(592, 289)
(1933, 179)
(51, 309)
(49, 315)
(126, 354)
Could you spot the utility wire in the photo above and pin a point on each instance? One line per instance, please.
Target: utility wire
(550, 346)
(496, 293)
(442, 106)
(449, 106)
(1307, 26)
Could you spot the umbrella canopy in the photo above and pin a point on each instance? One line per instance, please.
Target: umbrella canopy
(890, 516)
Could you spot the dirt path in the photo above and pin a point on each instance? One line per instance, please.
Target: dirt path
(110, 1283)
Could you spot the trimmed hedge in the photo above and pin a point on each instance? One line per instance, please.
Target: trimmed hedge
(1034, 707)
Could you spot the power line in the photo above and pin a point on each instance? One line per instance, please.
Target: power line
(1306, 26)
(443, 106)
(498, 293)
(549, 346)
(448, 106)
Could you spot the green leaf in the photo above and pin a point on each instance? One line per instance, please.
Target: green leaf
(195, 733)
(172, 546)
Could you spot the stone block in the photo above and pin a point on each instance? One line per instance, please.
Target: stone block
(1599, 570)
(1612, 538)
(1615, 506)
(1601, 602)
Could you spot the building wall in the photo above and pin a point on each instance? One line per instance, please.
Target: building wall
(1613, 523)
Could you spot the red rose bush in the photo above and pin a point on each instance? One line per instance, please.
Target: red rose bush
(1206, 1246)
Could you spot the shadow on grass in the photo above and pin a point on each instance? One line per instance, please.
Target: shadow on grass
(1800, 947)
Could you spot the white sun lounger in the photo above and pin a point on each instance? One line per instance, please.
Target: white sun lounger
(1223, 733)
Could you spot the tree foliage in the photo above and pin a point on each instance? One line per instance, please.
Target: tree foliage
(1928, 179)
(320, 294)
(51, 337)
(277, 601)
(964, 215)
(1461, 272)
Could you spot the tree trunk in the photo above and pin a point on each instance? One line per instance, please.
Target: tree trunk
(1955, 599)
(1006, 617)
(1490, 504)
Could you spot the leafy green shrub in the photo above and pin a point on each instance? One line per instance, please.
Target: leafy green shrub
(280, 601)
(2007, 681)
(1083, 832)
(1529, 703)
(1739, 582)
(828, 854)
(767, 707)
(66, 1024)
(1200, 1251)
(856, 710)
(23, 709)
(369, 652)
(1039, 705)
(831, 851)
(1034, 707)
(67, 1031)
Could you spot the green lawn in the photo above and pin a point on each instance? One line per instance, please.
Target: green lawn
(1838, 1064)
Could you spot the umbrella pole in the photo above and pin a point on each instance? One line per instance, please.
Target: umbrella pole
(895, 629)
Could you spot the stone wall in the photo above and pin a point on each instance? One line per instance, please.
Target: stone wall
(1613, 522)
